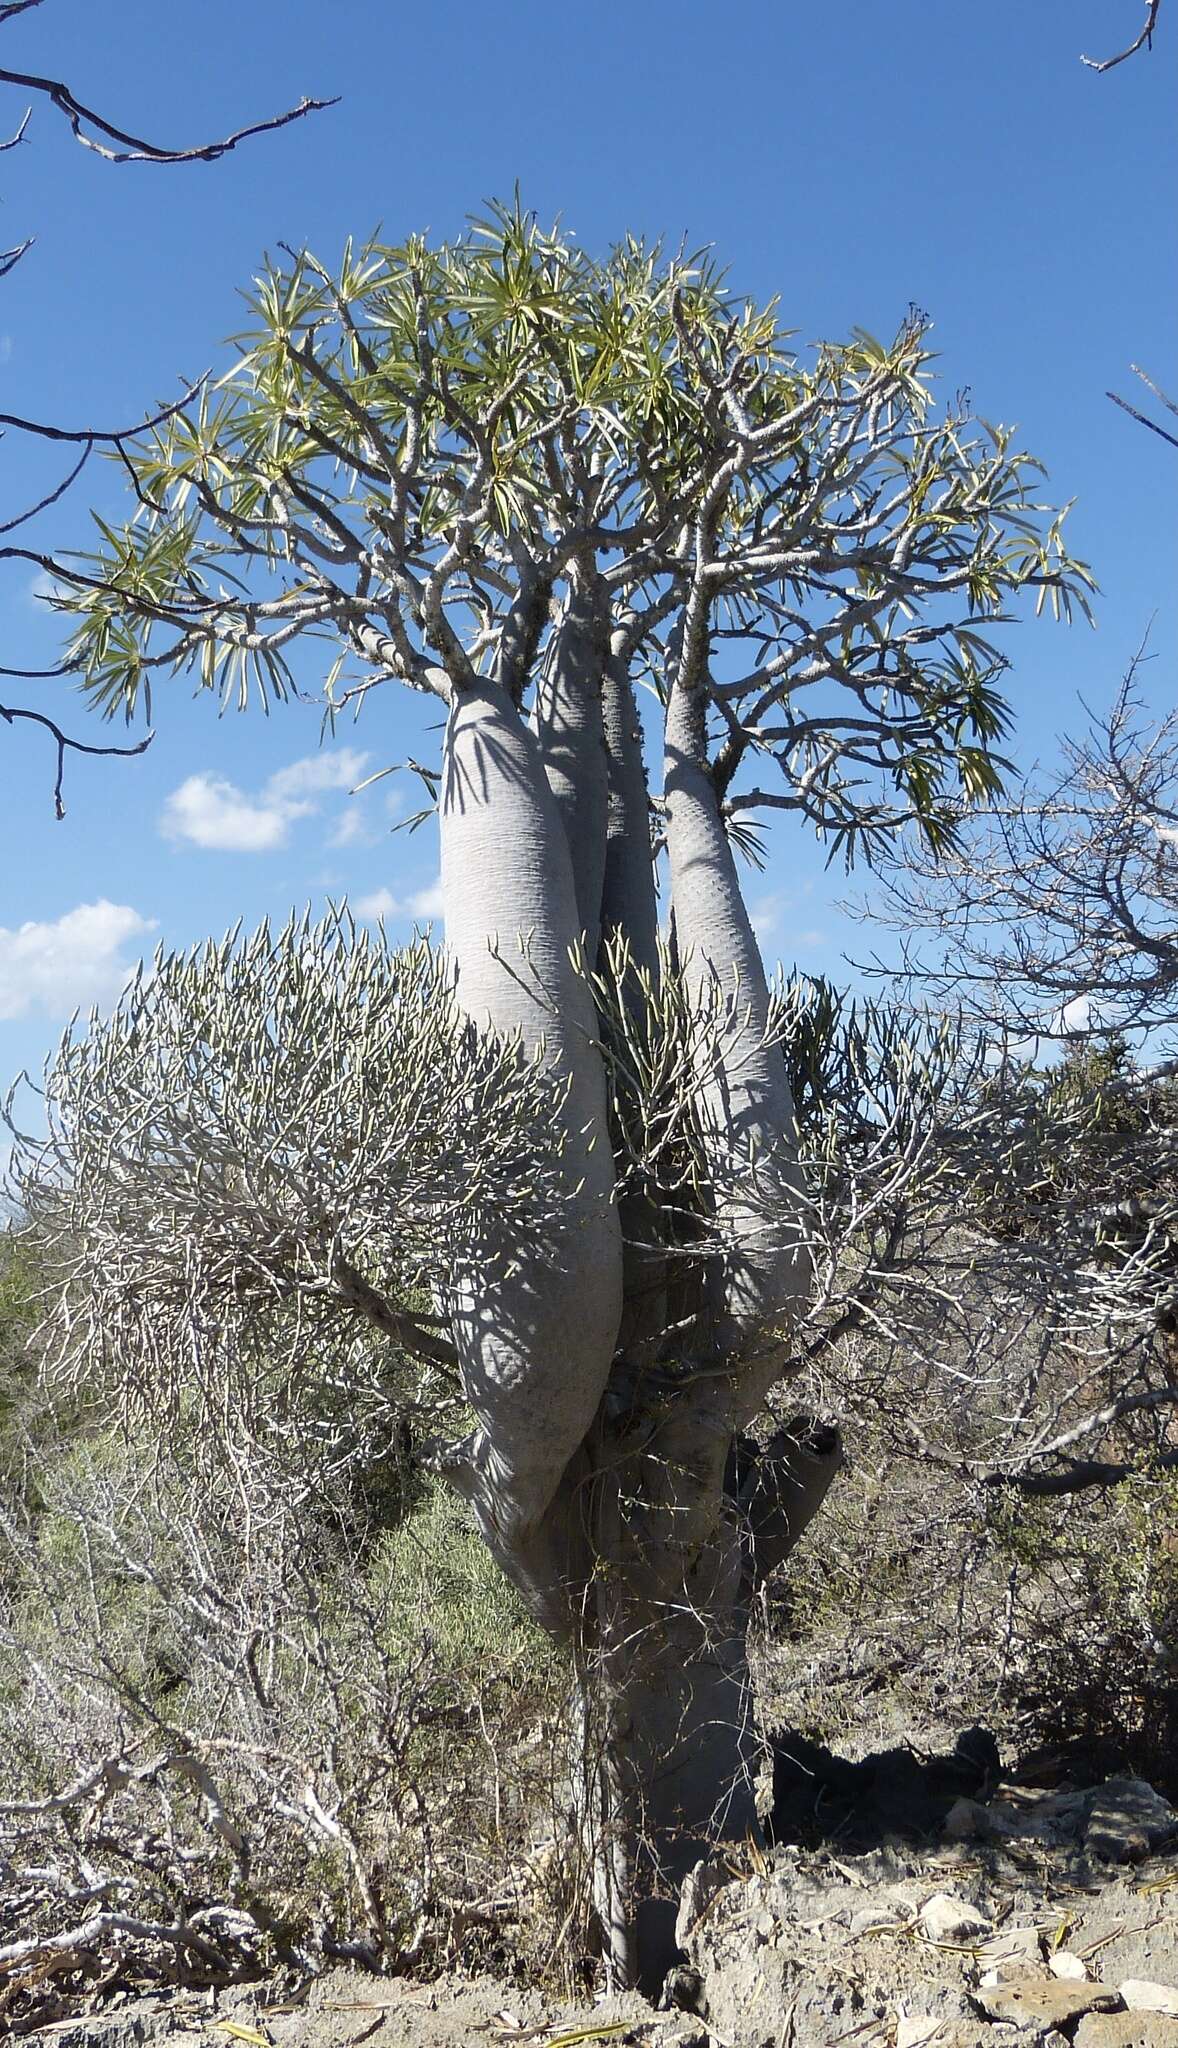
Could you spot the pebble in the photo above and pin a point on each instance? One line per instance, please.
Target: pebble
(945, 1918)
(1064, 1964)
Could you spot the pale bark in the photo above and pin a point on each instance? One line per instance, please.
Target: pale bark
(760, 1281)
(535, 1330)
(629, 914)
(572, 741)
(629, 906)
(669, 1745)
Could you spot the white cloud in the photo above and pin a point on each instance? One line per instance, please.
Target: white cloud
(68, 964)
(419, 907)
(43, 587)
(318, 772)
(212, 813)
(774, 915)
(381, 903)
(1074, 1016)
(765, 917)
(427, 902)
(352, 829)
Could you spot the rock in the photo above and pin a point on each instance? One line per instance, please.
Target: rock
(927, 2030)
(881, 1919)
(919, 2031)
(1045, 2002)
(129, 2028)
(945, 1918)
(1004, 1973)
(1142, 1996)
(1064, 1964)
(1013, 1945)
(704, 1881)
(681, 1989)
(968, 1820)
(1127, 1820)
(1127, 2030)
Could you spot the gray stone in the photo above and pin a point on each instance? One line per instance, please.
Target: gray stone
(920, 2030)
(1126, 2030)
(1140, 1995)
(945, 1918)
(881, 1919)
(133, 2026)
(1045, 2002)
(701, 1887)
(1064, 1964)
(1014, 1944)
(1127, 1820)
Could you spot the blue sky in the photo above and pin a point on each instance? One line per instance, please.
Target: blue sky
(853, 158)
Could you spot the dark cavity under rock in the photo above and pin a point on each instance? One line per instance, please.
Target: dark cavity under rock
(821, 1797)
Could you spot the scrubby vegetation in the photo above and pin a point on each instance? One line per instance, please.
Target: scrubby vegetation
(271, 1700)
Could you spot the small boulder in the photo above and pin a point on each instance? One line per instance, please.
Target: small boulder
(701, 1887)
(1013, 1945)
(1142, 1996)
(881, 1919)
(1126, 2030)
(918, 2030)
(1127, 1821)
(1045, 2002)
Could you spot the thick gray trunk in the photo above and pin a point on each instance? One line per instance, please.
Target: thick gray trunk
(629, 907)
(536, 1326)
(572, 741)
(629, 913)
(669, 1748)
(762, 1274)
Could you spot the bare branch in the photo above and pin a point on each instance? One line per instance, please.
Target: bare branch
(135, 150)
(1144, 40)
(11, 712)
(90, 435)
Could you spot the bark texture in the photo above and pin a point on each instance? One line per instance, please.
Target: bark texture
(536, 1327)
(759, 1283)
(629, 916)
(572, 742)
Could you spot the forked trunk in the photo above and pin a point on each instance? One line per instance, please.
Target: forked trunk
(615, 1505)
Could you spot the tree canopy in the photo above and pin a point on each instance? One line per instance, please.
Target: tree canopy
(411, 454)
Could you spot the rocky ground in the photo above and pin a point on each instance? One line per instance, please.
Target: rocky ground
(1024, 1914)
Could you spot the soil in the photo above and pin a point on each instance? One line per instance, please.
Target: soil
(921, 1903)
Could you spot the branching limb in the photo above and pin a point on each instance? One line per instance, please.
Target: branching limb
(90, 128)
(9, 713)
(1143, 41)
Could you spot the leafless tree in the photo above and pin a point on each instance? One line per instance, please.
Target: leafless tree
(1057, 914)
(1052, 928)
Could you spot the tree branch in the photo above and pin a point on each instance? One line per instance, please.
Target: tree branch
(10, 712)
(135, 149)
(1153, 9)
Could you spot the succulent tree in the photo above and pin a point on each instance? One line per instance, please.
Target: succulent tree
(532, 484)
